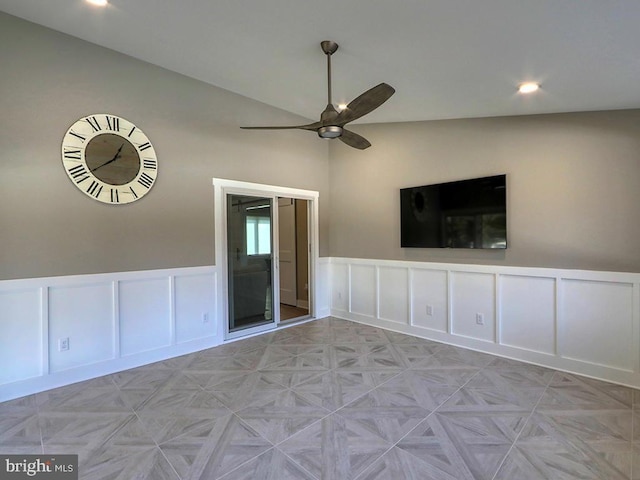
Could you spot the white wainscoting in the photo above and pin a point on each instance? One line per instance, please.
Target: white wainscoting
(579, 321)
(113, 322)
(585, 322)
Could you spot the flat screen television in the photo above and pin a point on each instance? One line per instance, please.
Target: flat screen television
(462, 214)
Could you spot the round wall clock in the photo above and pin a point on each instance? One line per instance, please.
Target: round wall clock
(109, 159)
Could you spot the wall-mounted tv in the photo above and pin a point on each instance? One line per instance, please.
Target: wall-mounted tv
(463, 214)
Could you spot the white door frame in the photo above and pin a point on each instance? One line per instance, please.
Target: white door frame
(222, 187)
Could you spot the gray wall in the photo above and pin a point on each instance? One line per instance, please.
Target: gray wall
(573, 187)
(48, 227)
(573, 179)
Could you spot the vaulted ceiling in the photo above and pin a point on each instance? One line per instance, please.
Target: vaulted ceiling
(446, 58)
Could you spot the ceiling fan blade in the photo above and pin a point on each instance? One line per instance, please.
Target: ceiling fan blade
(311, 126)
(354, 140)
(365, 103)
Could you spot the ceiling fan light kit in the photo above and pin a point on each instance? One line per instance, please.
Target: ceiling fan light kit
(330, 131)
(332, 122)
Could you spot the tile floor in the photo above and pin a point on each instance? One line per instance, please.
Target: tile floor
(333, 399)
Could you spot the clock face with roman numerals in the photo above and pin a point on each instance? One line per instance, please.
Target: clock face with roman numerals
(109, 159)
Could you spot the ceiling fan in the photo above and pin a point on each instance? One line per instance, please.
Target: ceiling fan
(332, 122)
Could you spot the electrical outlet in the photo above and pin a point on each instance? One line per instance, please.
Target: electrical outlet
(63, 344)
(479, 318)
(205, 317)
(430, 310)
(339, 295)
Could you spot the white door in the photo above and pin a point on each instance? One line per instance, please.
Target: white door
(287, 251)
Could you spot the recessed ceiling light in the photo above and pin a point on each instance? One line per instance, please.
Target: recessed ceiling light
(528, 87)
(342, 106)
(99, 3)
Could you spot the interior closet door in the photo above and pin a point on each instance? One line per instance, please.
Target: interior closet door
(250, 261)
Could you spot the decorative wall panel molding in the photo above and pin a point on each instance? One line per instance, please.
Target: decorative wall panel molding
(473, 301)
(429, 299)
(82, 313)
(363, 290)
(393, 304)
(579, 321)
(587, 322)
(145, 325)
(528, 313)
(598, 323)
(60, 330)
(112, 322)
(23, 333)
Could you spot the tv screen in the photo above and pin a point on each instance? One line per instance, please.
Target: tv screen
(463, 214)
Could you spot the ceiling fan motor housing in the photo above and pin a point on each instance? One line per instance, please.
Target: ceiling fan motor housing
(330, 131)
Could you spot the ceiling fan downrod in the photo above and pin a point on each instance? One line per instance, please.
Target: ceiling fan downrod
(330, 113)
(329, 48)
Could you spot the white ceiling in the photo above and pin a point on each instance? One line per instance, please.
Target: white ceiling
(446, 58)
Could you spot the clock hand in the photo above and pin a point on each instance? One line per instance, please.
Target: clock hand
(116, 156)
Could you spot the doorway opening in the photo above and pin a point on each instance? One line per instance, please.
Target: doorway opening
(267, 244)
(293, 255)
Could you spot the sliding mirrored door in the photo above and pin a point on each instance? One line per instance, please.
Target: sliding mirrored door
(250, 262)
